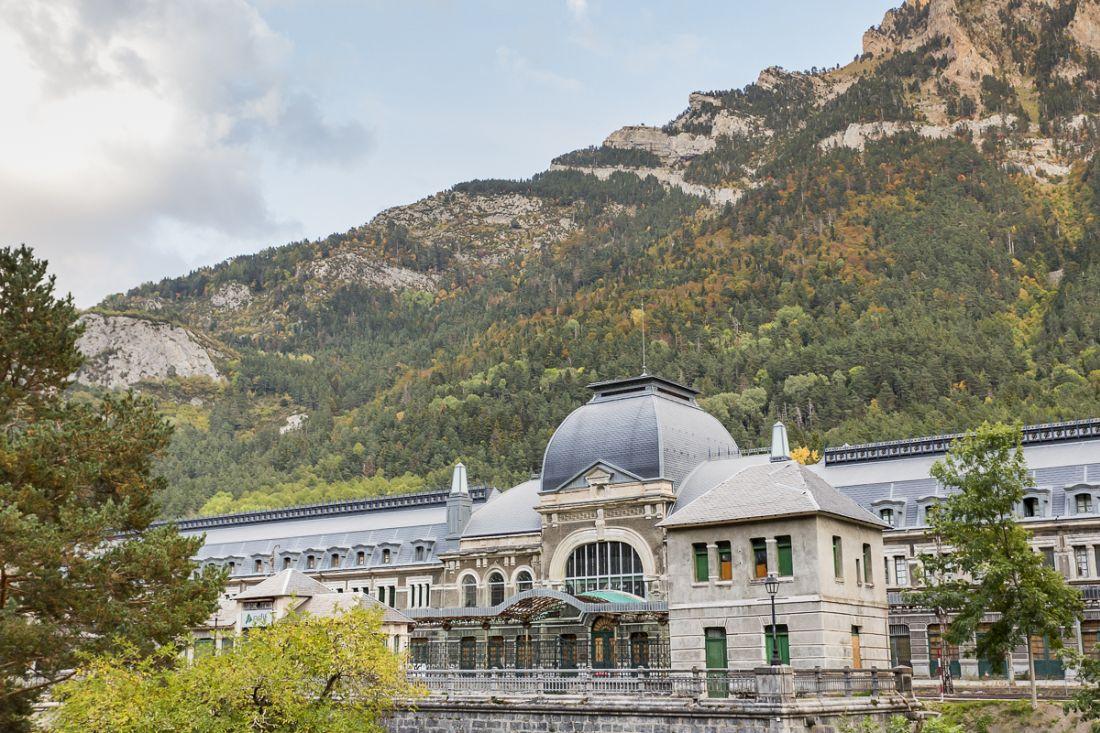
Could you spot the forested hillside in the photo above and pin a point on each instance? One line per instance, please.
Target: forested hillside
(904, 245)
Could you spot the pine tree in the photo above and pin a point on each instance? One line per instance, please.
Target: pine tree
(81, 568)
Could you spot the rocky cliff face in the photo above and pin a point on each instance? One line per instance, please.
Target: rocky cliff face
(1018, 79)
(121, 351)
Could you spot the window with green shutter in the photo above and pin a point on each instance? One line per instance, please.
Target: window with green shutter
(838, 561)
(782, 637)
(783, 548)
(867, 567)
(702, 562)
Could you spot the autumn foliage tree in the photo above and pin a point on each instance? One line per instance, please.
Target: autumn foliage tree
(303, 674)
(82, 569)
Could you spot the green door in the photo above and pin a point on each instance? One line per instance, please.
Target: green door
(602, 645)
(784, 643)
(716, 663)
(1048, 666)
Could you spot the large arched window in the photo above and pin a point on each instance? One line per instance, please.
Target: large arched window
(523, 581)
(469, 591)
(496, 588)
(605, 565)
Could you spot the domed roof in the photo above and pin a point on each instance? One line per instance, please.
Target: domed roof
(646, 426)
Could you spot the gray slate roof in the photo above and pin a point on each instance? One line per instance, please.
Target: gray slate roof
(289, 582)
(769, 490)
(648, 426)
(507, 512)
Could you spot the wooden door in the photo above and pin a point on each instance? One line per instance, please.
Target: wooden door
(857, 657)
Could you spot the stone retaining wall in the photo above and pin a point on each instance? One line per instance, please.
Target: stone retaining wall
(623, 715)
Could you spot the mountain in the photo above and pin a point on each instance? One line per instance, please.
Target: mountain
(905, 244)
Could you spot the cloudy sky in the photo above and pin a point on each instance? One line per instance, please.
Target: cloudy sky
(144, 138)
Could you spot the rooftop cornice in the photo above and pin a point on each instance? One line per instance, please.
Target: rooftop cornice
(328, 509)
(613, 387)
(937, 444)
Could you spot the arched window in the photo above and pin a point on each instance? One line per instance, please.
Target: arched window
(524, 581)
(469, 591)
(605, 565)
(496, 589)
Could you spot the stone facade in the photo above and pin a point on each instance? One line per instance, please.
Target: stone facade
(631, 715)
(821, 613)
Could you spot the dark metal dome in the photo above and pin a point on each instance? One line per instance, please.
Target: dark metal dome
(646, 426)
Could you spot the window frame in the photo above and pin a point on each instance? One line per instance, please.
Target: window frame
(784, 546)
(725, 560)
(700, 562)
(469, 585)
(759, 545)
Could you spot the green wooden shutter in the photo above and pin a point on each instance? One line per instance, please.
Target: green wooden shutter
(702, 563)
(784, 643)
(716, 648)
(786, 561)
(838, 569)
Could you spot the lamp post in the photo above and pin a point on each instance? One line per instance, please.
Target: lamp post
(771, 584)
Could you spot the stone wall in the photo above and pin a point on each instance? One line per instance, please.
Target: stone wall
(638, 716)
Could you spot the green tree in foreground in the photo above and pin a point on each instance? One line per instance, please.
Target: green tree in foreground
(989, 566)
(81, 570)
(304, 674)
(1086, 698)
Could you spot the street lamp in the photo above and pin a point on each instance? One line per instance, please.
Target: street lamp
(771, 584)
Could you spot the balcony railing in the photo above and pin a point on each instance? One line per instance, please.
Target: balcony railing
(766, 683)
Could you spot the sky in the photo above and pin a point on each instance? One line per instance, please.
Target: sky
(140, 139)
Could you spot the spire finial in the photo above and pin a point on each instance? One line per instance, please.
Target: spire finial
(458, 481)
(781, 449)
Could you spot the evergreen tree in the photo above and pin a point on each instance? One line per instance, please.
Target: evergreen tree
(81, 568)
(988, 566)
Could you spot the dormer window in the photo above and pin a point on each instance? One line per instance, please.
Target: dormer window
(387, 557)
(311, 562)
(1082, 504)
(886, 515)
(286, 563)
(1036, 503)
(360, 558)
(420, 553)
(258, 566)
(335, 560)
(926, 509)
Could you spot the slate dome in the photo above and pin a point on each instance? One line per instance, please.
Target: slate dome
(647, 426)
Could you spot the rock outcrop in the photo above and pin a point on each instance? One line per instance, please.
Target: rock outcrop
(231, 296)
(121, 351)
(669, 148)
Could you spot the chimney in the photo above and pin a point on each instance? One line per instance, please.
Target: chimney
(459, 503)
(781, 449)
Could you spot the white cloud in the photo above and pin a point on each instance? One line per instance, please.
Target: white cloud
(126, 119)
(577, 8)
(519, 67)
